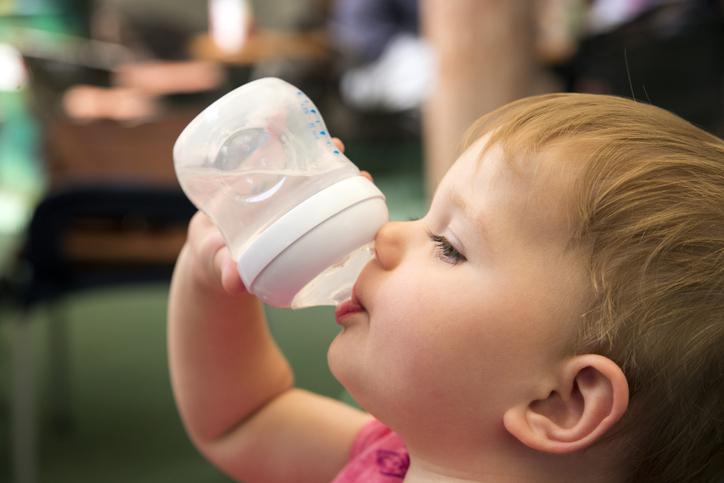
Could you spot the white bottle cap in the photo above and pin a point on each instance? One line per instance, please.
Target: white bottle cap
(312, 236)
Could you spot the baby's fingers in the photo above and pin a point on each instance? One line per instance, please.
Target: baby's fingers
(228, 272)
(213, 261)
(340, 145)
(338, 142)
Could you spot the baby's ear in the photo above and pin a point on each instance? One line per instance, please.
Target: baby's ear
(589, 397)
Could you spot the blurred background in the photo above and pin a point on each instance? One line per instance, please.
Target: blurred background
(93, 94)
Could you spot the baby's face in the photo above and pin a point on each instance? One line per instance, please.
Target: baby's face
(468, 309)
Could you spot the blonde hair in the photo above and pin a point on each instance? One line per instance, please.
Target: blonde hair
(649, 205)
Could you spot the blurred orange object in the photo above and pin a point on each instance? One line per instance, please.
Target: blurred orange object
(89, 103)
(263, 45)
(160, 78)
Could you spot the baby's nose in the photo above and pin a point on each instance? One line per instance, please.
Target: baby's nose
(390, 244)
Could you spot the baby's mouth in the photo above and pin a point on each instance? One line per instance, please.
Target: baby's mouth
(350, 306)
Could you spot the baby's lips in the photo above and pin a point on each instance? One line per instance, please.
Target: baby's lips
(349, 306)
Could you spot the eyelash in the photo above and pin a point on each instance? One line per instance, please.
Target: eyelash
(445, 250)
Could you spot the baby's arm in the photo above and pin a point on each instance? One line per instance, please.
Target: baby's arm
(233, 386)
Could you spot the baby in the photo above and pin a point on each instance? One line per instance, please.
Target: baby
(557, 316)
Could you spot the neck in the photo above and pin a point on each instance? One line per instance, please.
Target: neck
(510, 462)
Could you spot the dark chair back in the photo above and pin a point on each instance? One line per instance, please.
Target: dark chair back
(89, 236)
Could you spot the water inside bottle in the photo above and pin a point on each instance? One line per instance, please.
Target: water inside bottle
(335, 284)
(243, 204)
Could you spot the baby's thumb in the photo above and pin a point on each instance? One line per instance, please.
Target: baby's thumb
(230, 278)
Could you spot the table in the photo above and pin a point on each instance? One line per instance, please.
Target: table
(264, 45)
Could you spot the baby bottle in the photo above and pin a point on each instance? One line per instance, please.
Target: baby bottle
(296, 215)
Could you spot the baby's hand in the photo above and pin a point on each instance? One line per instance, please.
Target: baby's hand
(211, 258)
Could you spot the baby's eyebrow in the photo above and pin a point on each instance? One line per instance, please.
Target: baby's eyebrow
(457, 200)
(462, 204)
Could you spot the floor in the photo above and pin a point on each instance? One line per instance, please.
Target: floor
(125, 426)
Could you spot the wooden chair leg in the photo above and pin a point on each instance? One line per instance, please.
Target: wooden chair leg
(59, 370)
(23, 416)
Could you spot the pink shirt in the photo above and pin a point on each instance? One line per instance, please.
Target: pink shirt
(378, 456)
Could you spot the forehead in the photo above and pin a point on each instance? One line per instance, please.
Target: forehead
(533, 191)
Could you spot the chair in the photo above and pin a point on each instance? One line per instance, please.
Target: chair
(82, 237)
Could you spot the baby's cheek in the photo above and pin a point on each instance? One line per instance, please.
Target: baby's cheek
(407, 332)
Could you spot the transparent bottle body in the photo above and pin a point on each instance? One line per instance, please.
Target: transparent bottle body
(254, 155)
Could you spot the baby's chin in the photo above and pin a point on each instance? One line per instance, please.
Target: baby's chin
(346, 364)
(361, 386)
(339, 366)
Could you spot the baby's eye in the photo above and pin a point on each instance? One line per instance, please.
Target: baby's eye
(446, 251)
